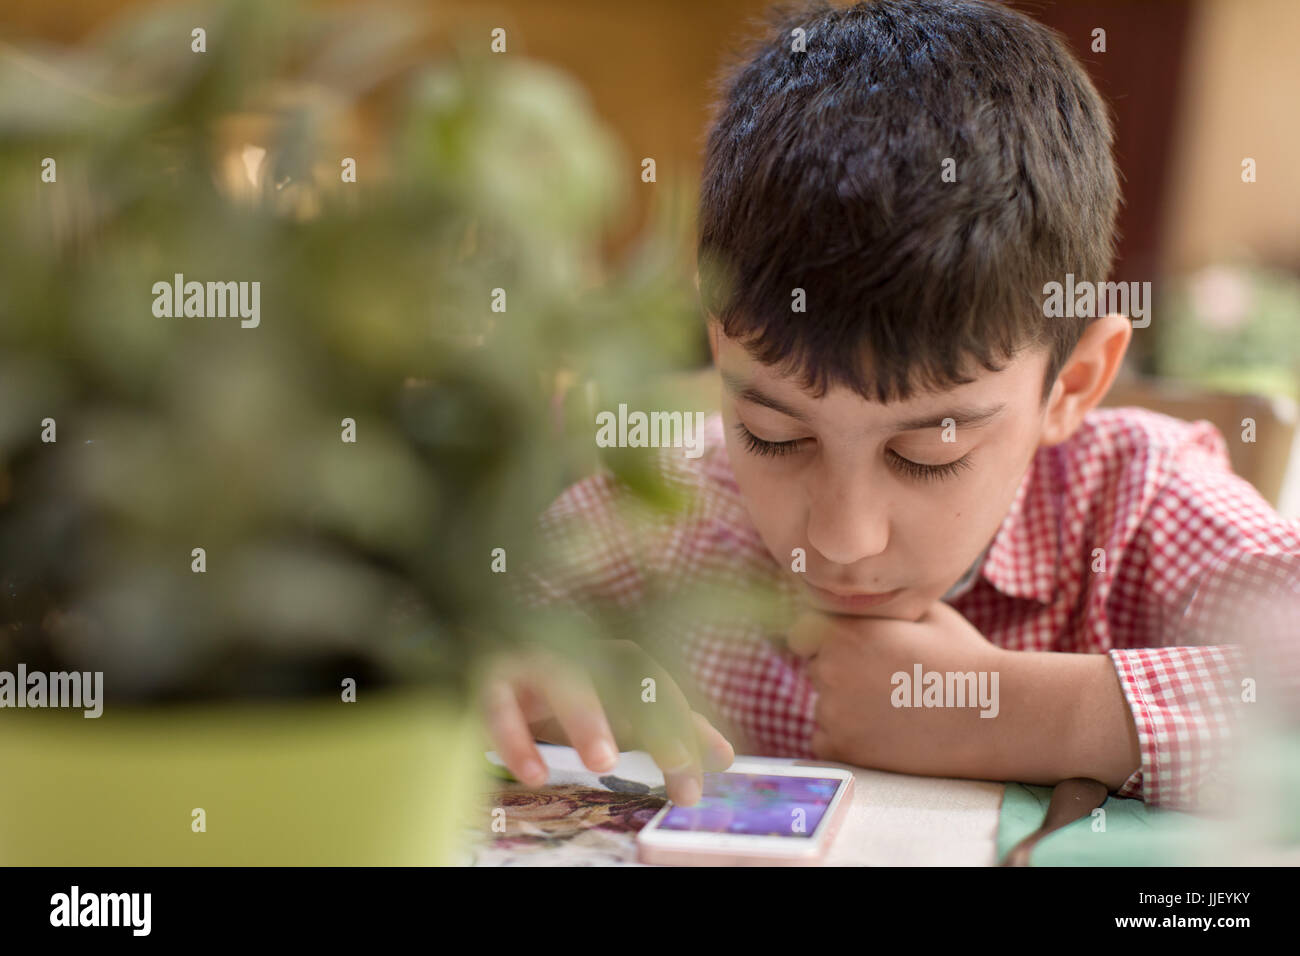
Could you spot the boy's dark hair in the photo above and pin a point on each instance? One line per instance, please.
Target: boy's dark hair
(823, 173)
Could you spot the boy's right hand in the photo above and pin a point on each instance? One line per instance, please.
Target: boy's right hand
(598, 710)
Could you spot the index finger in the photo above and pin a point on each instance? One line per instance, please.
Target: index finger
(676, 753)
(668, 730)
(639, 690)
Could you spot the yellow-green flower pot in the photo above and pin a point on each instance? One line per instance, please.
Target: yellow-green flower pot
(383, 781)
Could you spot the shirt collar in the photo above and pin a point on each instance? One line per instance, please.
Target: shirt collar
(1024, 556)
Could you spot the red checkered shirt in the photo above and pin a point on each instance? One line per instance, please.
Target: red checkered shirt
(1133, 538)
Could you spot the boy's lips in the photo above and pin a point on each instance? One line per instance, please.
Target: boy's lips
(852, 600)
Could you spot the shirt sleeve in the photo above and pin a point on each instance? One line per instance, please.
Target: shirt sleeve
(603, 544)
(587, 550)
(1224, 571)
(601, 551)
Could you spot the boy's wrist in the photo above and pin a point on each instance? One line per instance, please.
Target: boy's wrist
(1070, 717)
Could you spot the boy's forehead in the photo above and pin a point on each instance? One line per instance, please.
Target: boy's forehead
(968, 404)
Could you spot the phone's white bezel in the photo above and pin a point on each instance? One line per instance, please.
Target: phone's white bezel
(705, 841)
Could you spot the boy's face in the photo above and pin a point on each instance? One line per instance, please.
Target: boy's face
(878, 500)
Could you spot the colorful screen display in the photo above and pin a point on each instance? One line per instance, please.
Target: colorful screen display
(756, 805)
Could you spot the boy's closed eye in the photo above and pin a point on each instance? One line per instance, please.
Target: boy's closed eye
(920, 471)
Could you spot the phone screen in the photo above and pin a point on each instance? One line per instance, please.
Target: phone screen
(756, 805)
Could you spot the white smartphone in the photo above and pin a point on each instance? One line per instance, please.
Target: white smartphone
(753, 814)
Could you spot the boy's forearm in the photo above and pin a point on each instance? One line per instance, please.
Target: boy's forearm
(1068, 718)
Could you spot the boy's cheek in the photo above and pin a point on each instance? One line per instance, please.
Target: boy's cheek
(761, 494)
(774, 511)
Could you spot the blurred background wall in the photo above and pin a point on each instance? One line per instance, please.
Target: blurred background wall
(1195, 86)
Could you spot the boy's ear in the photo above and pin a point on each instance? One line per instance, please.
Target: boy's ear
(1086, 377)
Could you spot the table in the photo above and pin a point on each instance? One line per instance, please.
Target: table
(582, 818)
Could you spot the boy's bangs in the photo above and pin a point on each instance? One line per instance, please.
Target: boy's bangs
(936, 335)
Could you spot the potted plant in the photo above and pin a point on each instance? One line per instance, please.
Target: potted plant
(282, 311)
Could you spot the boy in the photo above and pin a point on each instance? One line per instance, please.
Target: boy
(910, 442)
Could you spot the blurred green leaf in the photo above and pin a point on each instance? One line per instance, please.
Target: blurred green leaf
(176, 433)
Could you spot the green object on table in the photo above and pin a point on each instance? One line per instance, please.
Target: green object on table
(496, 770)
(1134, 835)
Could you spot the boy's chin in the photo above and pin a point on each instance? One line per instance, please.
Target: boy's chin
(885, 614)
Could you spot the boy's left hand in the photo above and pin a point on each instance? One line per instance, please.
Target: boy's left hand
(850, 662)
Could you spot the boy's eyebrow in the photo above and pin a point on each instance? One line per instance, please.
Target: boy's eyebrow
(965, 417)
(960, 417)
(743, 390)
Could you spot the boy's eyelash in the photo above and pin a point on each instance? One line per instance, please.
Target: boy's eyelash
(917, 470)
(758, 446)
(912, 469)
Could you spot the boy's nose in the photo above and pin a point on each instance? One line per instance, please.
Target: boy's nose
(848, 524)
